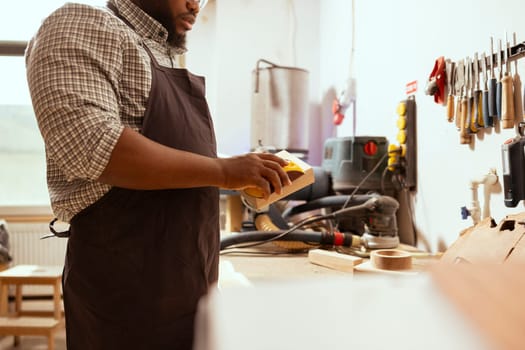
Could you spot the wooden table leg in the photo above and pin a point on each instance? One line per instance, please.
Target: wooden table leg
(18, 298)
(50, 341)
(57, 300)
(18, 307)
(3, 299)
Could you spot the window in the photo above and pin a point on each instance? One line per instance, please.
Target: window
(22, 159)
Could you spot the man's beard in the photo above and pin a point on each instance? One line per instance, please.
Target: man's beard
(177, 41)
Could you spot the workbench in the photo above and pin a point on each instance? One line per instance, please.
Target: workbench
(285, 302)
(262, 266)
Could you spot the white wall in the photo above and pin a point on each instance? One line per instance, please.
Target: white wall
(226, 49)
(396, 42)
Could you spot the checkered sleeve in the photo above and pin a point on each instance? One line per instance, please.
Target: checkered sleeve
(73, 68)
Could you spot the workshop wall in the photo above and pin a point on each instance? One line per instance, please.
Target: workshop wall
(396, 42)
(225, 46)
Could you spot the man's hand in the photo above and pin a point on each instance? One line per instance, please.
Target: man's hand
(261, 170)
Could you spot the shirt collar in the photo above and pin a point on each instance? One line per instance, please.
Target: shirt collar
(143, 24)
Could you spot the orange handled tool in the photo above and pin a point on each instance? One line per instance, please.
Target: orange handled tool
(507, 93)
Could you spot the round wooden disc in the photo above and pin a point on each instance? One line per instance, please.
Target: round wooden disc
(391, 259)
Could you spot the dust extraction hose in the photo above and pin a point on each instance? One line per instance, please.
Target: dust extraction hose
(320, 238)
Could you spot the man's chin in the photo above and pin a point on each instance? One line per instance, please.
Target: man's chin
(178, 41)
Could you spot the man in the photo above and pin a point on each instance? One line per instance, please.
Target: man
(132, 166)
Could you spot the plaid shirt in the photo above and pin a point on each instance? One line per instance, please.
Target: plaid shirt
(89, 76)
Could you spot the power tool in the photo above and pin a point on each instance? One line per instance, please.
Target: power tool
(513, 156)
(350, 213)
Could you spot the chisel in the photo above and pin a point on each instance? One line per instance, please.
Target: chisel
(507, 94)
(461, 114)
(487, 118)
(478, 100)
(518, 101)
(498, 86)
(465, 108)
(471, 107)
(450, 87)
(492, 84)
(459, 83)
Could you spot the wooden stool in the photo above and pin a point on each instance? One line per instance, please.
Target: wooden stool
(40, 326)
(19, 322)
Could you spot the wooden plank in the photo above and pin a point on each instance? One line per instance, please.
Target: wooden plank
(28, 325)
(333, 260)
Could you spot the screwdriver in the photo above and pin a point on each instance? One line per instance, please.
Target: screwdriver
(518, 101)
(507, 95)
(487, 118)
(492, 84)
(498, 86)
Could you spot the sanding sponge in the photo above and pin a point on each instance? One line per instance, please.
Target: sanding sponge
(300, 173)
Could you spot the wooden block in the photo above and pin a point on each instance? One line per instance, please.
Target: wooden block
(300, 182)
(333, 260)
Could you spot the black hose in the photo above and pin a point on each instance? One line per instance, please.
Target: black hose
(334, 202)
(302, 236)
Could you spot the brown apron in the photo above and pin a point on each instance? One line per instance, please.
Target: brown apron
(138, 261)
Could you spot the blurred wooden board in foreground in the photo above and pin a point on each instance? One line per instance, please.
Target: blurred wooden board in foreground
(491, 296)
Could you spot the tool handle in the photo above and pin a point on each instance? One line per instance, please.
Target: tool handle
(478, 110)
(507, 103)
(458, 114)
(450, 108)
(518, 99)
(464, 136)
(492, 98)
(498, 100)
(487, 118)
(471, 122)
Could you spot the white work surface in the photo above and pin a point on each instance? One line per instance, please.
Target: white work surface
(319, 309)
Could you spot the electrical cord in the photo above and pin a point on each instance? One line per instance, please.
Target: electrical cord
(262, 237)
(361, 183)
(364, 179)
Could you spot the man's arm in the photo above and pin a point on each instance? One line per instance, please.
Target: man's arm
(140, 163)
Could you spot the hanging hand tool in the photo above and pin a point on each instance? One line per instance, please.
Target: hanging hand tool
(498, 87)
(477, 106)
(459, 82)
(507, 94)
(487, 118)
(492, 84)
(450, 87)
(463, 109)
(471, 122)
(518, 101)
(436, 84)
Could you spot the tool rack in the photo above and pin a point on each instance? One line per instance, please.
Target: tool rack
(515, 52)
(485, 98)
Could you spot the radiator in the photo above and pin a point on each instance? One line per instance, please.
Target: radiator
(27, 248)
